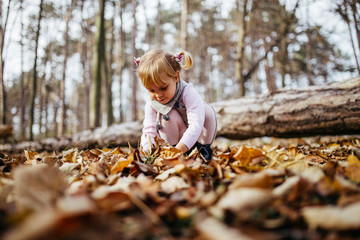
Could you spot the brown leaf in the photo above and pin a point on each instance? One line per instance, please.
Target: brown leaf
(353, 168)
(241, 199)
(332, 217)
(121, 164)
(38, 186)
(212, 229)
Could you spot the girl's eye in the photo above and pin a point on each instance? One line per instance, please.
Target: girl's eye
(163, 88)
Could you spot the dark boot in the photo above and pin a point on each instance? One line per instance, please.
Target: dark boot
(204, 150)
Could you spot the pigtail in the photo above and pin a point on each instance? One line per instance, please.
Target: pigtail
(185, 58)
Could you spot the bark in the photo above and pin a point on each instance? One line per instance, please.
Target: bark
(2, 63)
(95, 109)
(6, 131)
(184, 33)
(239, 63)
(134, 115)
(121, 58)
(62, 125)
(331, 110)
(34, 83)
(158, 26)
(86, 71)
(110, 73)
(22, 77)
(116, 135)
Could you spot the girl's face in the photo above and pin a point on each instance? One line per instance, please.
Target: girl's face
(163, 94)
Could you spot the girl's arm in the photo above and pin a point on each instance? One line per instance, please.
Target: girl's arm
(149, 128)
(195, 110)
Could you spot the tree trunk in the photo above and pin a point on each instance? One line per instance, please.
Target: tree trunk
(357, 30)
(22, 78)
(85, 69)
(34, 84)
(134, 115)
(334, 109)
(239, 63)
(95, 113)
(183, 32)
(6, 131)
(158, 26)
(110, 73)
(2, 62)
(356, 19)
(62, 125)
(121, 58)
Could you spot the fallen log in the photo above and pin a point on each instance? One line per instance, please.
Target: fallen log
(6, 131)
(329, 110)
(115, 135)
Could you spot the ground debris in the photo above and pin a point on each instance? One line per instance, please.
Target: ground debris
(278, 189)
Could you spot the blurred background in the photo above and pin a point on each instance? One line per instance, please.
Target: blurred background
(67, 66)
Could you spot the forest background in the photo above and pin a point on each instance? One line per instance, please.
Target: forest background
(67, 66)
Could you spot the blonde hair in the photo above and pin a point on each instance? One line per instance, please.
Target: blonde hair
(155, 62)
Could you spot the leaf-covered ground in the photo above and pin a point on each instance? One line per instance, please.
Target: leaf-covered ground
(273, 189)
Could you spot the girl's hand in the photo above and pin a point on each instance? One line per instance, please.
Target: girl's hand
(182, 147)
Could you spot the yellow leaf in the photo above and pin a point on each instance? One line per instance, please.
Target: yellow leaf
(70, 157)
(245, 155)
(30, 155)
(122, 163)
(353, 168)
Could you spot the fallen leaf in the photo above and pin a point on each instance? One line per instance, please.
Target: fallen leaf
(121, 164)
(241, 199)
(353, 168)
(333, 217)
(173, 184)
(38, 186)
(212, 229)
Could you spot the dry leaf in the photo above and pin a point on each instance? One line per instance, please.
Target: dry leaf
(333, 217)
(121, 164)
(38, 186)
(244, 199)
(173, 184)
(212, 229)
(245, 155)
(353, 168)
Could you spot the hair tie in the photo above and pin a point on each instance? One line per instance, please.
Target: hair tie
(137, 61)
(179, 57)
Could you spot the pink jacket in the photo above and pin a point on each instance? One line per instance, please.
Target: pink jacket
(195, 110)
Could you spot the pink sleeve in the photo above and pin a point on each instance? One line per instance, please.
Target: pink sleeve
(195, 110)
(149, 123)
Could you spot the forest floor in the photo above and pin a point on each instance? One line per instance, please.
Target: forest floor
(265, 188)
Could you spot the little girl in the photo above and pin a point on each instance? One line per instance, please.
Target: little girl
(174, 110)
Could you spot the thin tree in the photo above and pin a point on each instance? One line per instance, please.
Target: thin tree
(158, 26)
(95, 107)
(34, 83)
(134, 115)
(121, 57)
(342, 10)
(110, 72)
(2, 63)
(68, 16)
(308, 48)
(183, 32)
(22, 84)
(240, 48)
(273, 43)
